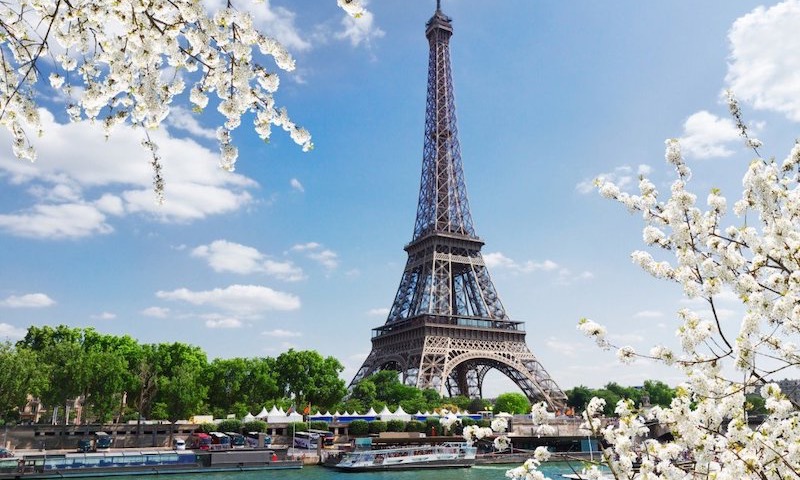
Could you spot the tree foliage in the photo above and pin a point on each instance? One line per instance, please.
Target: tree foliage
(512, 402)
(310, 378)
(384, 388)
(20, 375)
(167, 381)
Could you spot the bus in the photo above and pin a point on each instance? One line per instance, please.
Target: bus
(220, 441)
(102, 442)
(237, 440)
(325, 435)
(252, 439)
(199, 441)
(305, 440)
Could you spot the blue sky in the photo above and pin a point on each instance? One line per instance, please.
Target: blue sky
(304, 250)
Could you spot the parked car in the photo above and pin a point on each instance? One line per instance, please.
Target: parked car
(6, 453)
(179, 444)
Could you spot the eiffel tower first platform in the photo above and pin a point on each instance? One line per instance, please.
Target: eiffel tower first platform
(447, 327)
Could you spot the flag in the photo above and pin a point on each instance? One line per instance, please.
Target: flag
(307, 410)
(291, 410)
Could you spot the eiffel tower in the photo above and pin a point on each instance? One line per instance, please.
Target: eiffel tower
(447, 327)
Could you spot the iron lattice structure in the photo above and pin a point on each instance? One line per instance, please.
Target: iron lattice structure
(447, 326)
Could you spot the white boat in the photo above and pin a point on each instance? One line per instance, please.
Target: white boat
(446, 455)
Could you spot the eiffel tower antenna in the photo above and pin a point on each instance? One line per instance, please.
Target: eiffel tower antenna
(447, 327)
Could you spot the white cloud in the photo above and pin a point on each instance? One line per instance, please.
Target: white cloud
(281, 333)
(706, 135)
(157, 312)
(497, 260)
(763, 65)
(313, 250)
(566, 277)
(195, 185)
(625, 338)
(226, 322)
(11, 332)
(30, 300)
(104, 316)
(378, 312)
(621, 176)
(296, 185)
(357, 30)
(240, 299)
(648, 314)
(566, 349)
(225, 256)
(66, 220)
(304, 247)
(183, 119)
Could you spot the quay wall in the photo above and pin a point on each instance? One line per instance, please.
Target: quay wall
(155, 435)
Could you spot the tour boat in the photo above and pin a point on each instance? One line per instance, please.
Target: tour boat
(446, 455)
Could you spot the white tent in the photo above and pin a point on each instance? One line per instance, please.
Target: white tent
(401, 414)
(249, 417)
(263, 413)
(293, 417)
(276, 416)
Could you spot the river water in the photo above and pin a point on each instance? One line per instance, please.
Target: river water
(479, 472)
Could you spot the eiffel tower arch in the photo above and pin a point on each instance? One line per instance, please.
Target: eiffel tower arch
(447, 327)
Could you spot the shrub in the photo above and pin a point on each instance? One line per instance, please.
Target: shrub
(254, 426)
(358, 427)
(484, 423)
(207, 427)
(296, 427)
(431, 424)
(415, 426)
(377, 426)
(319, 425)
(230, 425)
(395, 426)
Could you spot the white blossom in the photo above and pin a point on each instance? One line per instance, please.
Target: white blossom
(757, 257)
(127, 61)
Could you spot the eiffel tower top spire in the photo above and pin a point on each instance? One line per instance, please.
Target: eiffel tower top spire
(443, 206)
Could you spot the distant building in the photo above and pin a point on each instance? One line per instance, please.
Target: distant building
(791, 388)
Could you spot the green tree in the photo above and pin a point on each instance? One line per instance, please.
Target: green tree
(20, 375)
(579, 397)
(659, 392)
(309, 378)
(512, 402)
